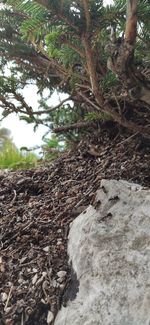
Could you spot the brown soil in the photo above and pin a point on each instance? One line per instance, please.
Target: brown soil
(36, 208)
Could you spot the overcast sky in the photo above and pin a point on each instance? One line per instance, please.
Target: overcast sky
(22, 133)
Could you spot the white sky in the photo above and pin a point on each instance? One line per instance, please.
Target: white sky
(22, 132)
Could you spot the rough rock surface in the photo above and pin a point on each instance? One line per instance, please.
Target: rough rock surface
(109, 248)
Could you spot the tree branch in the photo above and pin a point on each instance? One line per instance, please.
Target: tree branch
(87, 14)
(74, 47)
(46, 4)
(131, 21)
(78, 125)
(53, 108)
(91, 65)
(53, 63)
(68, 22)
(8, 105)
(21, 100)
(120, 119)
(90, 102)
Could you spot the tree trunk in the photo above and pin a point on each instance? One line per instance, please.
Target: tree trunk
(131, 22)
(121, 60)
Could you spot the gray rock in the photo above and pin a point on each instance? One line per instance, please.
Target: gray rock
(109, 248)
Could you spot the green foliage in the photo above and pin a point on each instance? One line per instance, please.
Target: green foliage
(53, 36)
(44, 44)
(52, 148)
(109, 81)
(27, 119)
(97, 116)
(53, 44)
(32, 27)
(11, 157)
(67, 115)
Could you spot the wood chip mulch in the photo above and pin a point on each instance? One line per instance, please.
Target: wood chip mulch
(36, 209)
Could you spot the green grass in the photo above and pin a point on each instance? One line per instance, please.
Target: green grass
(11, 157)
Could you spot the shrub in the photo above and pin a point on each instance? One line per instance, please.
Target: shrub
(11, 157)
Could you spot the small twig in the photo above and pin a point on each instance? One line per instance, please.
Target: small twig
(52, 108)
(78, 125)
(27, 226)
(15, 195)
(129, 138)
(117, 102)
(90, 102)
(87, 193)
(22, 320)
(8, 298)
(28, 263)
(44, 286)
(84, 86)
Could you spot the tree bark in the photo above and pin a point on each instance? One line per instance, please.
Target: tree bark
(75, 126)
(131, 22)
(121, 60)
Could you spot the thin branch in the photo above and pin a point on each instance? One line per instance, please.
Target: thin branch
(128, 139)
(78, 125)
(46, 4)
(90, 101)
(86, 87)
(68, 22)
(35, 60)
(24, 104)
(74, 47)
(53, 108)
(52, 62)
(7, 105)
